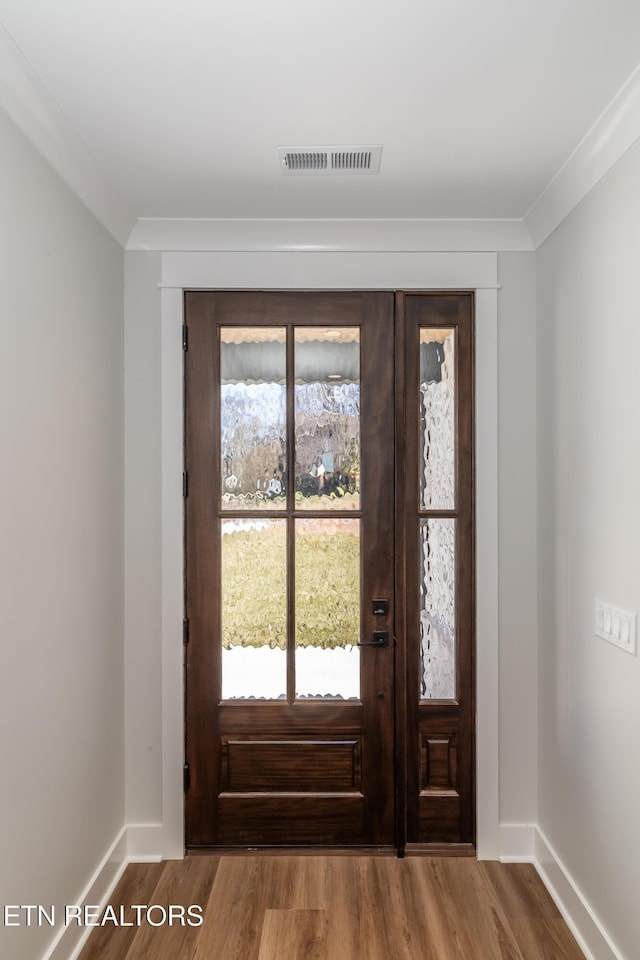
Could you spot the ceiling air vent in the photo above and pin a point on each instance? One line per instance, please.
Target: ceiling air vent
(329, 161)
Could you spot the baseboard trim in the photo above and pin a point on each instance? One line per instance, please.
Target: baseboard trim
(144, 842)
(526, 843)
(581, 919)
(136, 843)
(517, 842)
(70, 940)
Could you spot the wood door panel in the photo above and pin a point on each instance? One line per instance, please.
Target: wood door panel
(288, 766)
(439, 762)
(439, 817)
(300, 719)
(301, 819)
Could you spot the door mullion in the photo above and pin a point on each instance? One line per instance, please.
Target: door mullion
(291, 613)
(400, 576)
(291, 531)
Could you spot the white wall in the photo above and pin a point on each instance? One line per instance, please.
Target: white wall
(61, 541)
(518, 621)
(589, 546)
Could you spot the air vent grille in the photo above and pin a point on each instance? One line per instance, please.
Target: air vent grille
(327, 161)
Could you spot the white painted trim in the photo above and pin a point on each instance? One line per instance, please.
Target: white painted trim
(329, 236)
(35, 112)
(517, 842)
(580, 917)
(293, 270)
(136, 843)
(526, 843)
(617, 129)
(144, 842)
(329, 271)
(487, 662)
(172, 574)
(69, 941)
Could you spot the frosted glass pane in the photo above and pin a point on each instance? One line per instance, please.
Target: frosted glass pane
(327, 608)
(254, 609)
(327, 418)
(437, 419)
(253, 418)
(437, 609)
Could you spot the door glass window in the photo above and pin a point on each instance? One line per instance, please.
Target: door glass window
(437, 494)
(327, 608)
(253, 417)
(437, 609)
(437, 434)
(254, 608)
(327, 418)
(290, 563)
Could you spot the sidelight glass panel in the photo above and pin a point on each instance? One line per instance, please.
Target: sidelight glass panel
(327, 602)
(437, 609)
(253, 417)
(327, 418)
(254, 608)
(437, 463)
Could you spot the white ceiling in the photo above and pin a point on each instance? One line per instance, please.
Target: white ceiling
(477, 104)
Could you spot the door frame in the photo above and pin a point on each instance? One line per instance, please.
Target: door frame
(424, 271)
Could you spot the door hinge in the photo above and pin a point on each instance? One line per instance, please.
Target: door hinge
(185, 630)
(186, 777)
(185, 484)
(185, 337)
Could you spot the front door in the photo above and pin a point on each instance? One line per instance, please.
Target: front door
(289, 525)
(329, 558)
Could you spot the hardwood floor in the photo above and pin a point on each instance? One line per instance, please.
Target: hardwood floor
(337, 908)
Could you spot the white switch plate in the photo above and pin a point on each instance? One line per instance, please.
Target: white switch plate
(617, 626)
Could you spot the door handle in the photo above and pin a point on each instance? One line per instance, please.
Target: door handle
(379, 638)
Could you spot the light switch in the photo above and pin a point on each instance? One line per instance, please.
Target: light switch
(617, 626)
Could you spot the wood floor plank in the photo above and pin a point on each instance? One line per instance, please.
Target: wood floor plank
(297, 883)
(533, 916)
(356, 911)
(136, 886)
(294, 934)
(289, 907)
(374, 912)
(182, 884)
(424, 930)
(477, 928)
(244, 888)
(233, 920)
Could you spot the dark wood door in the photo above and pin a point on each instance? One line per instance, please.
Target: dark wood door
(436, 550)
(289, 526)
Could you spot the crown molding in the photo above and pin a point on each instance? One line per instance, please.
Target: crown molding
(613, 133)
(29, 104)
(329, 236)
(37, 115)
